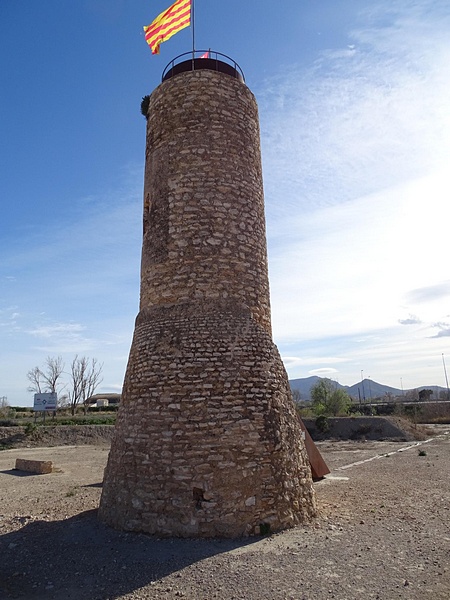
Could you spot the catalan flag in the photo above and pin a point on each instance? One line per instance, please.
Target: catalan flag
(169, 22)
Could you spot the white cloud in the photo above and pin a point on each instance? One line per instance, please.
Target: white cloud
(61, 338)
(349, 268)
(57, 330)
(78, 294)
(296, 361)
(355, 153)
(324, 372)
(410, 320)
(362, 122)
(444, 329)
(430, 293)
(355, 162)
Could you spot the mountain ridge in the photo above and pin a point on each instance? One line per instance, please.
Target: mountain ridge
(363, 390)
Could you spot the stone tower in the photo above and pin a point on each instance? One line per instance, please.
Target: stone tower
(207, 442)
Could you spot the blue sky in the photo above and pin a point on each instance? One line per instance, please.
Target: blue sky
(354, 103)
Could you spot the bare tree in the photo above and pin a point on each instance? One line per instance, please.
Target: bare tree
(93, 380)
(34, 376)
(412, 395)
(46, 380)
(5, 409)
(55, 368)
(63, 401)
(76, 375)
(85, 377)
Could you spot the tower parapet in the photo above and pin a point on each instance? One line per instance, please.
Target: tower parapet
(203, 59)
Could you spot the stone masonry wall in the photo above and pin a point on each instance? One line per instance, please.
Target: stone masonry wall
(204, 225)
(207, 442)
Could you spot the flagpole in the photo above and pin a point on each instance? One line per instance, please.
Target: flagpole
(193, 32)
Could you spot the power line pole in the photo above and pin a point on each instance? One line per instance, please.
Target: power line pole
(446, 378)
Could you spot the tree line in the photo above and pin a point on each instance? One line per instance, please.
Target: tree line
(84, 376)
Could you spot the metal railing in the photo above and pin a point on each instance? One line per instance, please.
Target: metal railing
(203, 59)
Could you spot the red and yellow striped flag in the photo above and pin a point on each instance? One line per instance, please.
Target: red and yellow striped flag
(169, 22)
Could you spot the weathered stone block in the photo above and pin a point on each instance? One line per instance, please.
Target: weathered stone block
(39, 467)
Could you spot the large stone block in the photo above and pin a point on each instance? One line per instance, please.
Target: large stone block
(39, 467)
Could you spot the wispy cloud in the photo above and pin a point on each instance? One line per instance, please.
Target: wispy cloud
(61, 338)
(411, 320)
(355, 152)
(364, 119)
(444, 329)
(91, 257)
(431, 292)
(9, 317)
(76, 285)
(356, 148)
(57, 330)
(325, 372)
(296, 361)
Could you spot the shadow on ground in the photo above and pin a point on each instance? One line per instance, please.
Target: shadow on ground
(82, 558)
(18, 473)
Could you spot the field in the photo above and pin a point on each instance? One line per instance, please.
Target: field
(383, 533)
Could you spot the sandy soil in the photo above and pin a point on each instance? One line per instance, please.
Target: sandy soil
(383, 533)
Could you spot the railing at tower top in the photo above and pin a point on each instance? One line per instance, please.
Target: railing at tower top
(203, 59)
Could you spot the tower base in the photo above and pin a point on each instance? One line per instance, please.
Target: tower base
(207, 442)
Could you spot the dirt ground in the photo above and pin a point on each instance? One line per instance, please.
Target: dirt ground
(383, 533)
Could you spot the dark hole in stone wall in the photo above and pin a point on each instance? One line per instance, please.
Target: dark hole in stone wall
(197, 494)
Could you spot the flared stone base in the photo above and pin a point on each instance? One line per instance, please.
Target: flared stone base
(207, 442)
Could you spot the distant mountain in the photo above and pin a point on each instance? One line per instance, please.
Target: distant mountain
(371, 389)
(304, 386)
(366, 389)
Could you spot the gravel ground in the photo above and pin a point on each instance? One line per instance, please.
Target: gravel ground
(383, 533)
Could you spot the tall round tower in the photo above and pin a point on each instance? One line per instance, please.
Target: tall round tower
(207, 442)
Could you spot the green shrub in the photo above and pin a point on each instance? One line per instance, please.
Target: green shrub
(305, 412)
(31, 429)
(328, 399)
(83, 421)
(110, 408)
(144, 105)
(322, 423)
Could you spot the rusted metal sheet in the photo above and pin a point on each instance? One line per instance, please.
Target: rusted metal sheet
(318, 466)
